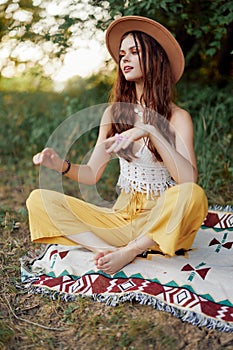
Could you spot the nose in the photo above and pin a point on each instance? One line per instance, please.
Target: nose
(126, 57)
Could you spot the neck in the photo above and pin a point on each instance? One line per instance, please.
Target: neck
(139, 90)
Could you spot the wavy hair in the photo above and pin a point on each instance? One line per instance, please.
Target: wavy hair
(157, 93)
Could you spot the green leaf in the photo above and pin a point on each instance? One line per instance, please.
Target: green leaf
(210, 51)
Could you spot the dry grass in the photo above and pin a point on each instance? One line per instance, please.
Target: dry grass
(34, 322)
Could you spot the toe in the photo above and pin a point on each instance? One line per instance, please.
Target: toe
(99, 255)
(102, 261)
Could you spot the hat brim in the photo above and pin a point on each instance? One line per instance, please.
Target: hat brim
(126, 24)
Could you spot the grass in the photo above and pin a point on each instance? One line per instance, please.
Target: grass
(34, 322)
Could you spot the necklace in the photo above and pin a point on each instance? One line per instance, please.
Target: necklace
(141, 104)
(138, 112)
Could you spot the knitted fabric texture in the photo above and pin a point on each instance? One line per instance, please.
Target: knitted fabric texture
(144, 174)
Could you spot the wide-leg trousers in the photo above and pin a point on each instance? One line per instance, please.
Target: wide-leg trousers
(170, 220)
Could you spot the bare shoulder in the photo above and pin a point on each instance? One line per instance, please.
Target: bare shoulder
(179, 114)
(107, 116)
(181, 118)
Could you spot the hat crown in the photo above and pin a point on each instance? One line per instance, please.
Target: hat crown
(156, 30)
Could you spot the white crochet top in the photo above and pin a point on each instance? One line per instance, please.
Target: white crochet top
(144, 174)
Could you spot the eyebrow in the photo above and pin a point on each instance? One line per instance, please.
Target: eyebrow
(130, 48)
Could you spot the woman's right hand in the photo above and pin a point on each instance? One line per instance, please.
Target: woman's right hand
(50, 159)
(121, 141)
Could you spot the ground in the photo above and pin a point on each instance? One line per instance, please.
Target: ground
(35, 322)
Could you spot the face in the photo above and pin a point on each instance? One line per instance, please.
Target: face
(129, 59)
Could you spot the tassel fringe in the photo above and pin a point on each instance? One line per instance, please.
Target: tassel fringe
(191, 317)
(226, 208)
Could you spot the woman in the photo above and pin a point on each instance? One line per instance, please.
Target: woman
(160, 205)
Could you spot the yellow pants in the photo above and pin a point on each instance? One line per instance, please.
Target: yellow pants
(171, 220)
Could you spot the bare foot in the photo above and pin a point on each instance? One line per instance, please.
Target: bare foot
(113, 261)
(101, 255)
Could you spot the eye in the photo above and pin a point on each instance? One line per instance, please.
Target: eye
(121, 55)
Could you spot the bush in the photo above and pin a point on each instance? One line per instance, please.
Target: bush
(211, 110)
(28, 120)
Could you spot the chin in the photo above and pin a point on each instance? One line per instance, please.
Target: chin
(131, 79)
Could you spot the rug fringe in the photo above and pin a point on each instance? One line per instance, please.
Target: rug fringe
(226, 208)
(191, 317)
(185, 315)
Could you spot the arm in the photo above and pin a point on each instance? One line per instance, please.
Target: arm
(180, 161)
(88, 173)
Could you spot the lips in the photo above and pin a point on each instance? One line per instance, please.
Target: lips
(127, 69)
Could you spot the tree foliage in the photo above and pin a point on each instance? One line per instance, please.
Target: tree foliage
(203, 28)
(48, 27)
(42, 20)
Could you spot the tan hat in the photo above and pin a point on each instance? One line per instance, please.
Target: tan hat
(126, 24)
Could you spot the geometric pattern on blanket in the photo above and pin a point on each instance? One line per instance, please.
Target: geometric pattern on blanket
(197, 287)
(219, 220)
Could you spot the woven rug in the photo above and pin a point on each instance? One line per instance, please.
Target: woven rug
(196, 287)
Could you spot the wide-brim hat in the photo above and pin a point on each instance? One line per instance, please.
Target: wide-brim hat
(157, 31)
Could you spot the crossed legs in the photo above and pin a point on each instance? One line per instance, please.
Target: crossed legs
(176, 218)
(108, 258)
(113, 261)
(172, 224)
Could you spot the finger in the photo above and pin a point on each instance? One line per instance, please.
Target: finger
(113, 143)
(109, 141)
(113, 148)
(103, 266)
(47, 152)
(123, 144)
(118, 145)
(126, 142)
(37, 159)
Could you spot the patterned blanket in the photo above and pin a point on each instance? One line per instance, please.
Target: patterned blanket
(196, 287)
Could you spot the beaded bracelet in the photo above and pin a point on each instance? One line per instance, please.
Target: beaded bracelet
(68, 167)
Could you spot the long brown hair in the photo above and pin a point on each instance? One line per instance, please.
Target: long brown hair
(156, 97)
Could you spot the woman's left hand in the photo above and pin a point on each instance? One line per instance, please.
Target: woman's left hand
(121, 141)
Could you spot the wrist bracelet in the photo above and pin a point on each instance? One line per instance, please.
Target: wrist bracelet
(68, 167)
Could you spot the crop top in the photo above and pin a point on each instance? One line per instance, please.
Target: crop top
(144, 174)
